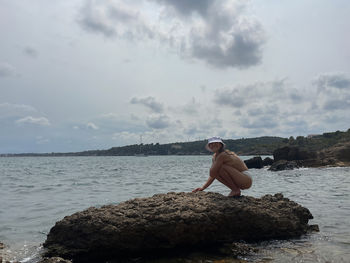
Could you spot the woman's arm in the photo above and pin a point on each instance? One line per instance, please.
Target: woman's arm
(217, 164)
(212, 173)
(208, 182)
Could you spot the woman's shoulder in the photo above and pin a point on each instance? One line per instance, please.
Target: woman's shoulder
(230, 152)
(223, 155)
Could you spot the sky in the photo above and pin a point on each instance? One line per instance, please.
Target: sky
(81, 75)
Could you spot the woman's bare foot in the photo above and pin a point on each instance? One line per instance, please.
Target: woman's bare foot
(236, 193)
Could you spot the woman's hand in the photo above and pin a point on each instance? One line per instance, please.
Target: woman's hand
(197, 189)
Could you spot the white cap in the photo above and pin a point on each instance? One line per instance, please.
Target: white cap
(212, 140)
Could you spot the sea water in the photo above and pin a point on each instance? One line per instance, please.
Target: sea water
(36, 192)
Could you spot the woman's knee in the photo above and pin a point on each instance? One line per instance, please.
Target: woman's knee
(248, 184)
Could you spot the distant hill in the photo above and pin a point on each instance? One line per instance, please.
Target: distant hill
(245, 146)
(261, 145)
(319, 142)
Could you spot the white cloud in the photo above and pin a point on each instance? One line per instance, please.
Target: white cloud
(217, 32)
(149, 102)
(333, 92)
(332, 80)
(41, 121)
(259, 94)
(158, 121)
(279, 107)
(92, 126)
(126, 136)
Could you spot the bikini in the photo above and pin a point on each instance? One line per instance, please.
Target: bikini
(231, 162)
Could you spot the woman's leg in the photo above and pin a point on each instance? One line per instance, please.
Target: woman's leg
(224, 178)
(233, 177)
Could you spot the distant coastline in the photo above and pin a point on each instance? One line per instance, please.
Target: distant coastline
(245, 146)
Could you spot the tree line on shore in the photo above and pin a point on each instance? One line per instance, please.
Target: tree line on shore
(245, 146)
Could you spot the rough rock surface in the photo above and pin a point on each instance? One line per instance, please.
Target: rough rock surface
(267, 161)
(338, 155)
(292, 154)
(238, 249)
(284, 165)
(171, 222)
(55, 260)
(292, 157)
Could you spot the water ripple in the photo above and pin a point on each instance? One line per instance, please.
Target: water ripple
(37, 192)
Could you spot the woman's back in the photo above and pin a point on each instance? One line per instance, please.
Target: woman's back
(231, 159)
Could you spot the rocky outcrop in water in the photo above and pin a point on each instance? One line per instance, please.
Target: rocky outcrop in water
(257, 162)
(338, 155)
(173, 222)
(292, 157)
(289, 153)
(284, 165)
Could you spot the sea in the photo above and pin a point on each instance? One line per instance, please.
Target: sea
(36, 192)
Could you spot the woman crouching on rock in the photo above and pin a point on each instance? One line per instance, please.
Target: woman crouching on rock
(227, 167)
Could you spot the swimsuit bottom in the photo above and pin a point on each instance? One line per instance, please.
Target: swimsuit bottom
(247, 173)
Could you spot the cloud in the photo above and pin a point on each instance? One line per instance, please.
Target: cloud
(126, 136)
(333, 91)
(114, 19)
(186, 8)
(42, 140)
(327, 81)
(149, 102)
(7, 70)
(230, 97)
(41, 121)
(259, 94)
(259, 123)
(262, 107)
(221, 33)
(158, 121)
(31, 52)
(15, 110)
(192, 107)
(92, 126)
(239, 46)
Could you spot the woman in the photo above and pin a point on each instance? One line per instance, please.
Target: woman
(227, 167)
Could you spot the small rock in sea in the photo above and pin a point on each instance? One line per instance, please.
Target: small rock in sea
(255, 162)
(268, 161)
(314, 228)
(284, 165)
(238, 249)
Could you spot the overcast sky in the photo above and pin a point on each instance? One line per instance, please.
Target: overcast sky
(78, 75)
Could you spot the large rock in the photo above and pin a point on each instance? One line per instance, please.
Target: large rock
(292, 154)
(172, 222)
(338, 154)
(255, 162)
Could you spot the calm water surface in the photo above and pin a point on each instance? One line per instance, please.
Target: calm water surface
(38, 191)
